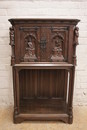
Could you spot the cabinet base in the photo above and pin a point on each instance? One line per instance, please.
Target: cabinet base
(43, 117)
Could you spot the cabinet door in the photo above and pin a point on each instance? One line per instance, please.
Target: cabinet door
(59, 44)
(29, 44)
(35, 44)
(53, 44)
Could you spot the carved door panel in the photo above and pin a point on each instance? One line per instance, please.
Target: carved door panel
(53, 44)
(29, 44)
(59, 41)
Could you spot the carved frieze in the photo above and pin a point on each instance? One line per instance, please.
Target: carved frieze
(12, 43)
(57, 51)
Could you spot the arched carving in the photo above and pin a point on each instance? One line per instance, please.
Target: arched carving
(58, 41)
(58, 35)
(30, 40)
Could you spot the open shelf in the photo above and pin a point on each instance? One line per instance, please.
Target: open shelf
(43, 106)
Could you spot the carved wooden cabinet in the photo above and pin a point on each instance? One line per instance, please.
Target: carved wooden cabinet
(43, 61)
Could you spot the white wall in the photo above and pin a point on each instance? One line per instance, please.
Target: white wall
(42, 9)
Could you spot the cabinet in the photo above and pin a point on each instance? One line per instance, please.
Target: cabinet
(43, 62)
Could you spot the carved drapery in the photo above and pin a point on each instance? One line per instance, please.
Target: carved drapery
(12, 43)
(57, 52)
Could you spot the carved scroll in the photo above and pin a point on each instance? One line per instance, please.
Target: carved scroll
(57, 54)
(76, 35)
(30, 55)
(12, 43)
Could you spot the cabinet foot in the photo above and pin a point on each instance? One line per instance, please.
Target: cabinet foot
(17, 119)
(70, 120)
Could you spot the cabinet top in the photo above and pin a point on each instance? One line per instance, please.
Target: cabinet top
(41, 20)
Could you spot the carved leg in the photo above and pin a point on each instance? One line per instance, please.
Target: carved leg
(16, 91)
(70, 95)
(70, 120)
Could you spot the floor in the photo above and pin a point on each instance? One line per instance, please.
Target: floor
(80, 121)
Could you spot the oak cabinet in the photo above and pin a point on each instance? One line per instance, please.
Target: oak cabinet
(43, 62)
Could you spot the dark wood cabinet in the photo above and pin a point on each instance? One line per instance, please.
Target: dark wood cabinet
(43, 61)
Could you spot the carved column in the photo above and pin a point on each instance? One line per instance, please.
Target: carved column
(12, 43)
(16, 94)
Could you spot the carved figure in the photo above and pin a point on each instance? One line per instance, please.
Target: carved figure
(30, 51)
(12, 45)
(76, 35)
(57, 51)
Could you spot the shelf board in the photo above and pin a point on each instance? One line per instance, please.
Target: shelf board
(43, 106)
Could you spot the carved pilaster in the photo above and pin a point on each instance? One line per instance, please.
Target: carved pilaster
(12, 43)
(76, 35)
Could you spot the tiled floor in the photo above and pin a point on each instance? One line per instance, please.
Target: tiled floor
(80, 121)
